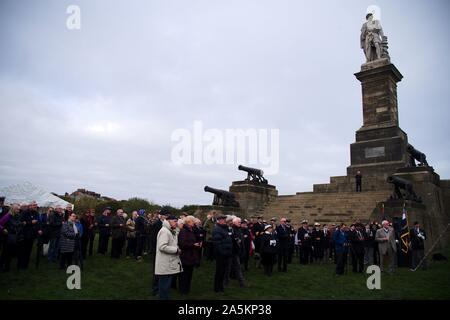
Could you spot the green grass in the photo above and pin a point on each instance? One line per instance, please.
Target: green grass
(104, 278)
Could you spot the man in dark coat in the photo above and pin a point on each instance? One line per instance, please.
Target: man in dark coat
(356, 237)
(223, 247)
(140, 227)
(326, 238)
(283, 237)
(258, 230)
(418, 237)
(317, 243)
(305, 242)
(118, 234)
(87, 239)
(55, 224)
(104, 230)
(246, 244)
(29, 218)
(358, 180)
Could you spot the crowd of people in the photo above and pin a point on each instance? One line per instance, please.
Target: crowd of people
(177, 244)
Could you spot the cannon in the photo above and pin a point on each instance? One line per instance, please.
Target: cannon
(222, 197)
(414, 155)
(253, 174)
(403, 184)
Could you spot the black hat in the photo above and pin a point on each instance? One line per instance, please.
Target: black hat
(288, 220)
(107, 208)
(221, 217)
(416, 223)
(172, 217)
(273, 219)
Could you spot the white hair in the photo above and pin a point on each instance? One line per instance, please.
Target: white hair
(230, 217)
(385, 222)
(236, 220)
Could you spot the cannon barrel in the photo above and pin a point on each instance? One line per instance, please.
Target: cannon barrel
(399, 182)
(251, 170)
(219, 191)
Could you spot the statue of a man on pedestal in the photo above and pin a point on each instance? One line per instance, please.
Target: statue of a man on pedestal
(371, 38)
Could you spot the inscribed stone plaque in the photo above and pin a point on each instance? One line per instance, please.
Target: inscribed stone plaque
(374, 152)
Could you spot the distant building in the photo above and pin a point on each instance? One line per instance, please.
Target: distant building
(83, 193)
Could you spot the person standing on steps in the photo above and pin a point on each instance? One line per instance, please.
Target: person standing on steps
(358, 179)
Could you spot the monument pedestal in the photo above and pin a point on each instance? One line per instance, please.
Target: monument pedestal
(252, 195)
(380, 146)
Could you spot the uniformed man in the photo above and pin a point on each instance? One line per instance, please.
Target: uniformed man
(283, 237)
(304, 242)
(317, 243)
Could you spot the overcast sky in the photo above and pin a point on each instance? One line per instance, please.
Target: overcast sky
(95, 108)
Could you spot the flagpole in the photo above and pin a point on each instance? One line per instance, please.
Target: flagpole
(432, 247)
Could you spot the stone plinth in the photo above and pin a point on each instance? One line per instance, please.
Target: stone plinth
(380, 146)
(252, 195)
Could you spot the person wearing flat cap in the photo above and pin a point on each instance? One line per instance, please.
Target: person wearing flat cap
(167, 258)
(268, 250)
(223, 249)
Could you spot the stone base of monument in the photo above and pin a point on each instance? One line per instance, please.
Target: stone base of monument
(426, 184)
(252, 195)
(393, 211)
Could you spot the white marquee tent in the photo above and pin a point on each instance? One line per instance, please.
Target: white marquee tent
(26, 193)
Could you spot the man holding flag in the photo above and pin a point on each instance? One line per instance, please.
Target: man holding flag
(404, 232)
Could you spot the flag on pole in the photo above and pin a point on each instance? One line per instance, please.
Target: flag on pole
(404, 232)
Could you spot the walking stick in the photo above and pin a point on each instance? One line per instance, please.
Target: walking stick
(432, 247)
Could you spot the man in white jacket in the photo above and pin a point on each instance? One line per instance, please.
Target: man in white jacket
(167, 260)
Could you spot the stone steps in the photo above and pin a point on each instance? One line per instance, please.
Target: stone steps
(325, 207)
